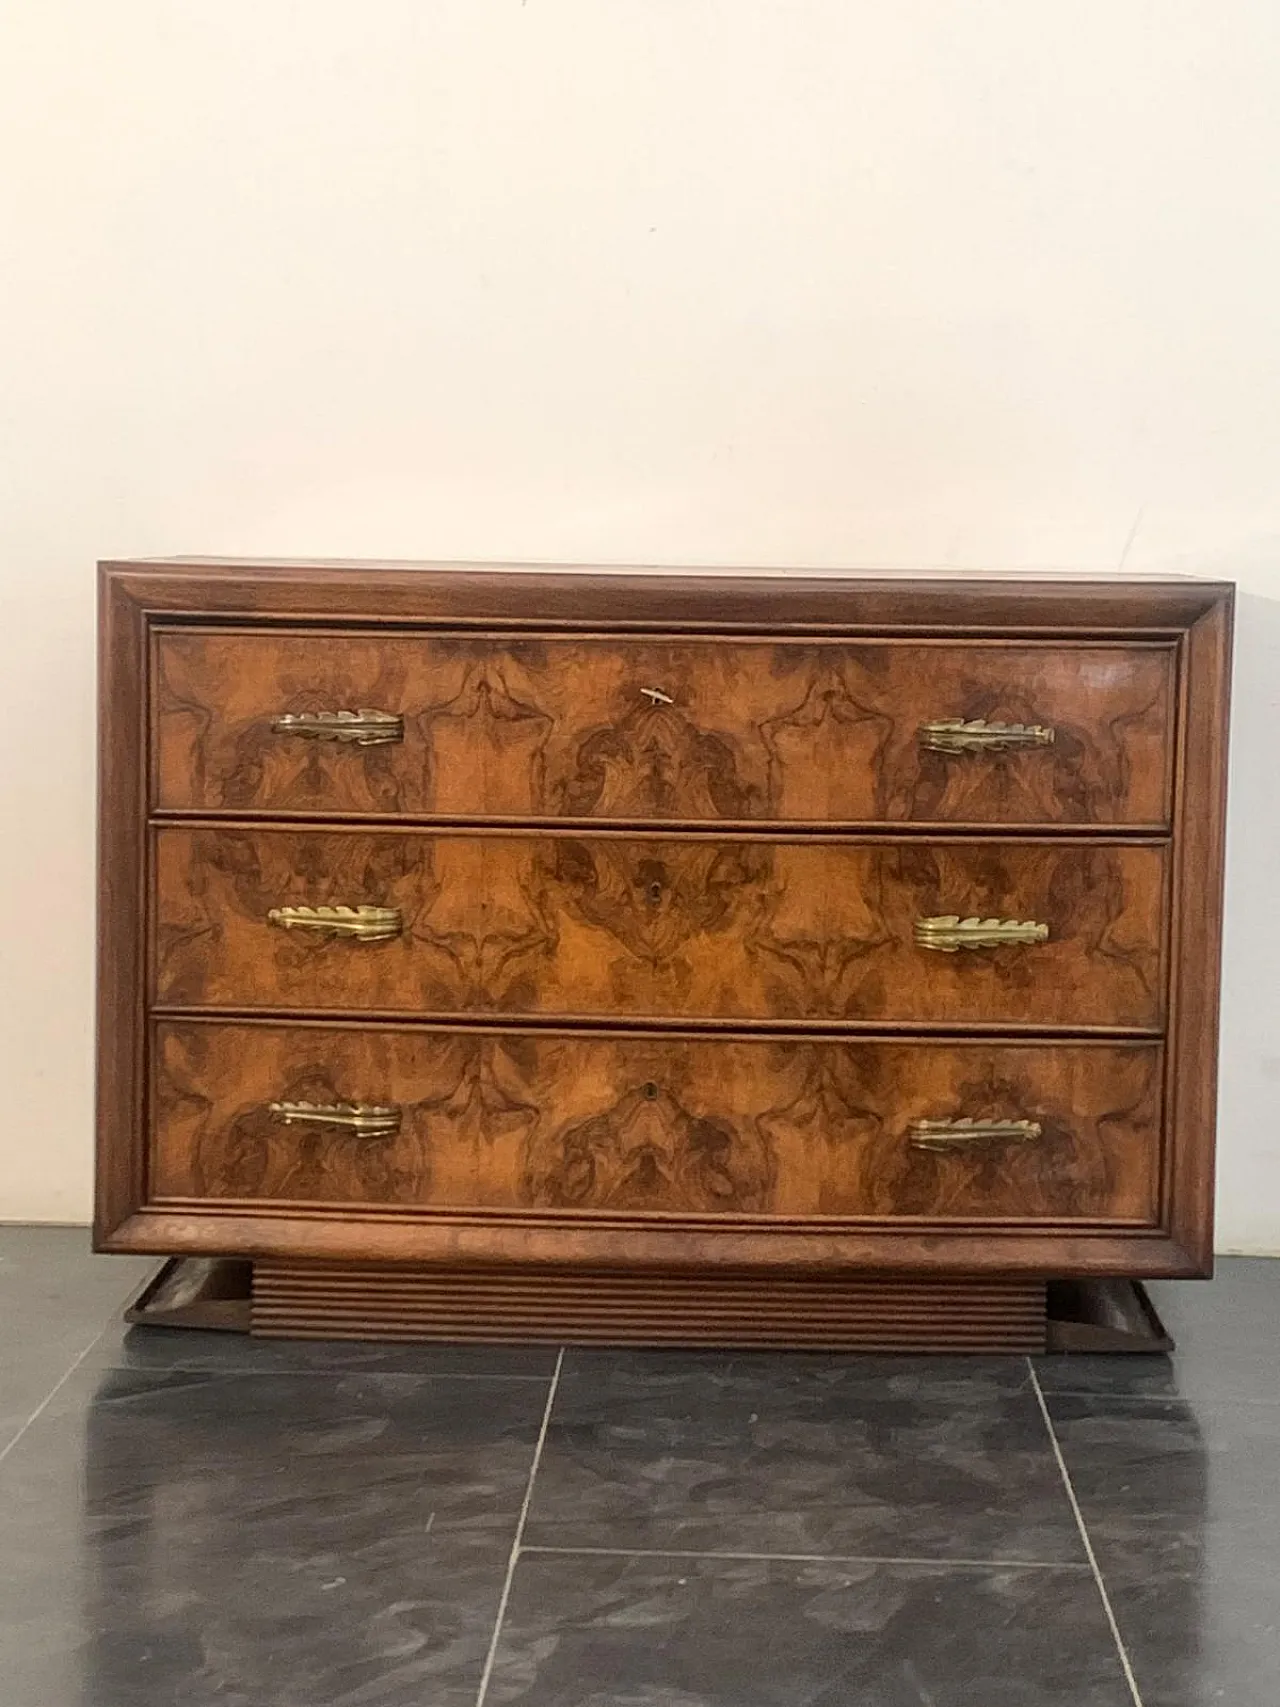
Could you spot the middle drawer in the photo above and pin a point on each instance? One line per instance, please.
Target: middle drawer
(987, 933)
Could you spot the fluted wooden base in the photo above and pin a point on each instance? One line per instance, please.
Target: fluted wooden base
(571, 1305)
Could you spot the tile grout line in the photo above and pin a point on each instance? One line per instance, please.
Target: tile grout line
(1092, 1557)
(806, 1558)
(512, 1561)
(61, 1382)
(53, 1392)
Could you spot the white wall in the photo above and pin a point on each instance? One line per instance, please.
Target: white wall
(758, 281)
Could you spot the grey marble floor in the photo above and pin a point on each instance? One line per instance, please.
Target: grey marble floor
(189, 1520)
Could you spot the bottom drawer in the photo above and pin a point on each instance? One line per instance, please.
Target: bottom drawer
(636, 1124)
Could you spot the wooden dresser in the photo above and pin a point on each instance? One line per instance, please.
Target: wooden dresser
(780, 959)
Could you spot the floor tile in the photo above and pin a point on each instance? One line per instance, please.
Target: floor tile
(920, 1458)
(1218, 1326)
(626, 1632)
(1208, 1638)
(55, 1298)
(199, 1520)
(271, 1540)
(1182, 1503)
(1161, 1481)
(185, 1348)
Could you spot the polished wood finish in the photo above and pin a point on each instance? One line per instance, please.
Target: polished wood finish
(767, 990)
(1195, 923)
(592, 926)
(537, 1238)
(656, 1124)
(120, 1159)
(682, 730)
(511, 597)
(622, 1307)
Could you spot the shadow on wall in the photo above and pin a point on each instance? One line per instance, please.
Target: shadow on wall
(1249, 1145)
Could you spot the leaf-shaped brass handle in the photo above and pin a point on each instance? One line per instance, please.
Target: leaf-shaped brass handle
(950, 933)
(365, 924)
(358, 728)
(966, 1134)
(955, 735)
(365, 1119)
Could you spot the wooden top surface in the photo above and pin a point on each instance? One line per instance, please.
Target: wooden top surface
(933, 575)
(581, 596)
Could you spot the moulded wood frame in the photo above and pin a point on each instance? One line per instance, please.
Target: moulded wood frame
(1195, 615)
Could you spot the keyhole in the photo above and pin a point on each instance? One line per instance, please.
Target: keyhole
(655, 892)
(651, 1091)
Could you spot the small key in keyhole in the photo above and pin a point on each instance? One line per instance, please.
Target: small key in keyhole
(657, 696)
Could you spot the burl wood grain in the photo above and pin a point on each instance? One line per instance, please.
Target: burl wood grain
(634, 1125)
(734, 730)
(693, 928)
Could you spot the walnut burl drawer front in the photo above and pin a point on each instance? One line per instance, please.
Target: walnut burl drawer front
(552, 1121)
(593, 926)
(683, 730)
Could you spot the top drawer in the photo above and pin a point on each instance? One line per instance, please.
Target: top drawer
(657, 729)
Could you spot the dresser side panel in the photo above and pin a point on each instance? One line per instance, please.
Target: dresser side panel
(1196, 938)
(120, 1179)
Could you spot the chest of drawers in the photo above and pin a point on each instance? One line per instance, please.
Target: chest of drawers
(778, 959)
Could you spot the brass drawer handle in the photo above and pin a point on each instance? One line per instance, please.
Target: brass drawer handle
(950, 933)
(655, 696)
(365, 1119)
(955, 735)
(365, 924)
(361, 728)
(964, 1134)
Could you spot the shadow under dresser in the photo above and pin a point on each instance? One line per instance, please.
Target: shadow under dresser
(810, 960)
